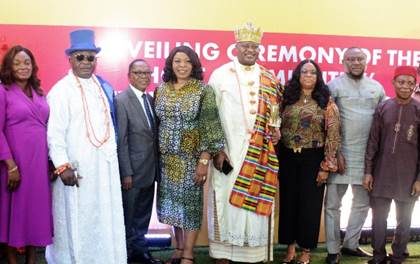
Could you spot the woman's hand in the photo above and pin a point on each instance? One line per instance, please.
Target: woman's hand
(341, 163)
(13, 178)
(51, 170)
(200, 176)
(322, 177)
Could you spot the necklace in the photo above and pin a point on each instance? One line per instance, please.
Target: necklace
(90, 132)
(306, 98)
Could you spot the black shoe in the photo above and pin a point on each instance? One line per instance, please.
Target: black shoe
(358, 252)
(332, 259)
(373, 261)
(406, 254)
(144, 258)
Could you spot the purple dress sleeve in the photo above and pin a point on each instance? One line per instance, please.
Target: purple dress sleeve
(4, 146)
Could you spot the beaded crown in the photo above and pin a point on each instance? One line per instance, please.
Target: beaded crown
(248, 32)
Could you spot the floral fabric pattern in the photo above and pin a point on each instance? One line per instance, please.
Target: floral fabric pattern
(189, 124)
(306, 125)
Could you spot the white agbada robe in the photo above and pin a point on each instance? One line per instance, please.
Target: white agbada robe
(88, 220)
(242, 234)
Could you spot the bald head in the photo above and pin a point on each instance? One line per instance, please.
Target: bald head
(354, 61)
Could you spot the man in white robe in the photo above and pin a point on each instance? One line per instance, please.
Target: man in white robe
(238, 234)
(87, 203)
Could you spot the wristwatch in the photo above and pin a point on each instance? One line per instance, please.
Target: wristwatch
(203, 161)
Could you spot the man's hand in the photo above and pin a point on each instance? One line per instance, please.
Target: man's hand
(127, 183)
(322, 177)
(415, 190)
(341, 163)
(218, 160)
(70, 177)
(276, 135)
(368, 182)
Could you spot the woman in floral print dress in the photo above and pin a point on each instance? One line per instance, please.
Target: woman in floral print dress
(190, 133)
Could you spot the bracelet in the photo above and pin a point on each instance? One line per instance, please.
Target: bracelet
(62, 168)
(15, 168)
(203, 161)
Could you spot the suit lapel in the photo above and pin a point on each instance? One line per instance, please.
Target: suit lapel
(134, 101)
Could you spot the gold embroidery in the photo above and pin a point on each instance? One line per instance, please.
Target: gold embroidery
(410, 132)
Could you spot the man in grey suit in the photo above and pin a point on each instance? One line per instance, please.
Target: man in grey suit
(138, 159)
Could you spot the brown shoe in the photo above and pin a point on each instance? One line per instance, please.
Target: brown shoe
(305, 257)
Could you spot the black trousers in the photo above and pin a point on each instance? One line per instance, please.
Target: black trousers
(300, 197)
(137, 203)
(380, 209)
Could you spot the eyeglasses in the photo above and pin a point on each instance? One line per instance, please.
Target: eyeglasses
(405, 83)
(81, 57)
(139, 73)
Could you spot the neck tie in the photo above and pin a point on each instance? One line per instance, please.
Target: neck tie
(148, 111)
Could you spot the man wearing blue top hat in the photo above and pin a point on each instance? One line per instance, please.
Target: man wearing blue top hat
(87, 205)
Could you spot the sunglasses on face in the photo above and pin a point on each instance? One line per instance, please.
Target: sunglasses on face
(81, 57)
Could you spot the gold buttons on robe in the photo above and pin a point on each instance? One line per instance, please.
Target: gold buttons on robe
(252, 102)
(252, 93)
(253, 111)
(251, 83)
(247, 68)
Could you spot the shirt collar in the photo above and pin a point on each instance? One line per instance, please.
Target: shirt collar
(136, 91)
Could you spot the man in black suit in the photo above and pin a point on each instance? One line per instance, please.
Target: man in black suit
(138, 159)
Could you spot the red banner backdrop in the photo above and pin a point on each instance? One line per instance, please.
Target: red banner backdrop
(279, 52)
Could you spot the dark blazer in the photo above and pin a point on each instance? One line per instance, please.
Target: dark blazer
(137, 143)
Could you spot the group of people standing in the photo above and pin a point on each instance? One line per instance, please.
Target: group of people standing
(109, 150)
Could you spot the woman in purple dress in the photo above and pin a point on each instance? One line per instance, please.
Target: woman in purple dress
(25, 198)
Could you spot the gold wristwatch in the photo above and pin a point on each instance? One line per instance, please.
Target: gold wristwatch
(203, 161)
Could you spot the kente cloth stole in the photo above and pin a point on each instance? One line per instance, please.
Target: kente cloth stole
(256, 185)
